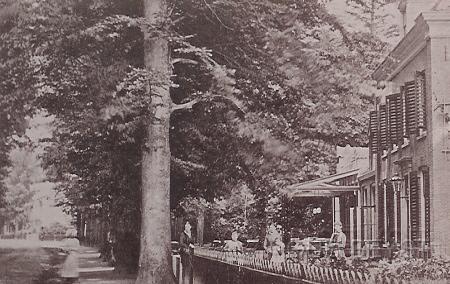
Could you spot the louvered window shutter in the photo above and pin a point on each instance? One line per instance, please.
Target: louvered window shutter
(427, 201)
(411, 107)
(395, 118)
(404, 119)
(390, 211)
(380, 214)
(421, 99)
(373, 131)
(399, 218)
(383, 128)
(414, 200)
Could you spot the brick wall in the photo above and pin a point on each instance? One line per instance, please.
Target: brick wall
(440, 173)
(427, 150)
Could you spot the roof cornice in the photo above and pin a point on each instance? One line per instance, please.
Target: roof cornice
(429, 25)
(408, 48)
(438, 23)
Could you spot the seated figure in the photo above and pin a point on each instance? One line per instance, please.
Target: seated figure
(234, 245)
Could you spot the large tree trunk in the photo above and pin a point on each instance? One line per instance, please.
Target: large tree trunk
(155, 251)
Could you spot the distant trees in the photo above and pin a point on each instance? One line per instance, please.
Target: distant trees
(14, 103)
(25, 170)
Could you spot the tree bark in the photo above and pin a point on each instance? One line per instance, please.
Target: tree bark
(155, 249)
(200, 226)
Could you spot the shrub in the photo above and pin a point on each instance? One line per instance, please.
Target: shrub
(354, 264)
(48, 276)
(411, 269)
(126, 251)
(55, 231)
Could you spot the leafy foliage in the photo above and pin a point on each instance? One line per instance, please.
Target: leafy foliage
(419, 270)
(275, 85)
(353, 264)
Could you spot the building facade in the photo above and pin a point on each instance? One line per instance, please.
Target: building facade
(403, 199)
(410, 141)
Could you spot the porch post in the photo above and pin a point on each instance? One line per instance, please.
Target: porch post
(336, 210)
(386, 213)
(395, 218)
(352, 229)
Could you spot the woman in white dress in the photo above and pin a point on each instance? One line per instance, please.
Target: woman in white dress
(274, 245)
(69, 270)
(277, 251)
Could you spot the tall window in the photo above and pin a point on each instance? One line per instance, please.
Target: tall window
(368, 213)
(421, 196)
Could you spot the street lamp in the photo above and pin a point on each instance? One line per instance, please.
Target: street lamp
(397, 183)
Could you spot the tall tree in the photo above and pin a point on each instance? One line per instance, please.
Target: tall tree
(378, 16)
(155, 250)
(12, 108)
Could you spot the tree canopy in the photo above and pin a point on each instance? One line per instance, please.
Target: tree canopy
(263, 90)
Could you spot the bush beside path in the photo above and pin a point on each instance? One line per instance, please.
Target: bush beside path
(28, 263)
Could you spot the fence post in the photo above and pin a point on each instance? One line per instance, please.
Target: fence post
(306, 271)
(177, 267)
(314, 273)
(347, 277)
(317, 273)
(342, 276)
(336, 274)
(322, 274)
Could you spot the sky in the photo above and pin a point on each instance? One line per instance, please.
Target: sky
(45, 212)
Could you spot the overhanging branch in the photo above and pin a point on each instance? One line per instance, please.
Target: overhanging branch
(217, 16)
(187, 165)
(188, 105)
(184, 60)
(235, 103)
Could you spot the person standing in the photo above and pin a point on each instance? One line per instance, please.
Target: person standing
(269, 240)
(337, 242)
(273, 244)
(69, 271)
(186, 252)
(278, 251)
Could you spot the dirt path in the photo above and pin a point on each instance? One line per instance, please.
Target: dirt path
(93, 270)
(37, 263)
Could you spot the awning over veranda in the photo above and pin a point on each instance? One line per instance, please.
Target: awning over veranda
(331, 186)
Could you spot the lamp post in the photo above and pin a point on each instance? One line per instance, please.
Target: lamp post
(397, 183)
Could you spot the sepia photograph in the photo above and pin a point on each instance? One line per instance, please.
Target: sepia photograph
(224, 141)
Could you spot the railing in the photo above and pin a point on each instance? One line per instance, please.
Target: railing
(300, 271)
(303, 272)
